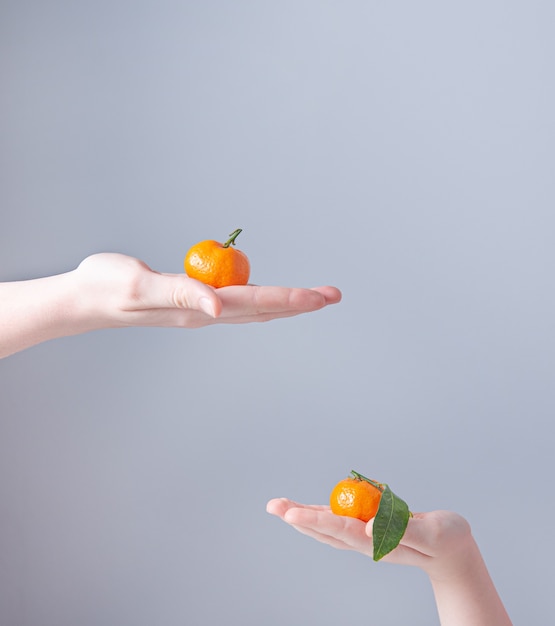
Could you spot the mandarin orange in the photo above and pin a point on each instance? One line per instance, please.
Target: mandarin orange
(356, 497)
(218, 264)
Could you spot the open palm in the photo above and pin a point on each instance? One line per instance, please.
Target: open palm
(125, 291)
(430, 540)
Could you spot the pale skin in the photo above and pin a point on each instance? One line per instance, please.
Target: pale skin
(111, 290)
(440, 543)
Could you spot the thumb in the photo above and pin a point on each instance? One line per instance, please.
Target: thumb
(177, 291)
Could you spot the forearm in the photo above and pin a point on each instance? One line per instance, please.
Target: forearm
(468, 597)
(34, 311)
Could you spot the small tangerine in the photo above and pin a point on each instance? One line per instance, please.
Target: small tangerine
(217, 264)
(355, 497)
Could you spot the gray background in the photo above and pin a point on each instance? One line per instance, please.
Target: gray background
(403, 151)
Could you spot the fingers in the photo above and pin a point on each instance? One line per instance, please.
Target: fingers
(280, 506)
(329, 540)
(318, 522)
(260, 303)
(345, 533)
(235, 304)
(331, 294)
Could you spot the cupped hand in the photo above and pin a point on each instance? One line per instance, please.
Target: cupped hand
(434, 541)
(123, 291)
(439, 542)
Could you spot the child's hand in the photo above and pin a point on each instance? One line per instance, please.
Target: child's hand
(440, 543)
(437, 542)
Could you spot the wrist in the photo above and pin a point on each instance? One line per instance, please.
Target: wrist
(79, 310)
(457, 564)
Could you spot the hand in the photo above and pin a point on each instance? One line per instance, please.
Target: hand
(117, 290)
(113, 290)
(440, 543)
(432, 541)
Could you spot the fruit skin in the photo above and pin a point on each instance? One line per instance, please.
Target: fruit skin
(217, 264)
(354, 497)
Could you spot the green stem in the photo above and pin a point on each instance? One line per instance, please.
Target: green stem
(379, 486)
(232, 239)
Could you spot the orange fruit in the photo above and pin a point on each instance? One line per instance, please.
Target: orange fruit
(355, 497)
(218, 264)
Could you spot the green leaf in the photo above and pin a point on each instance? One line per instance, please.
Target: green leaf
(390, 523)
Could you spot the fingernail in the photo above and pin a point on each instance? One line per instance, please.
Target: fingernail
(206, 305)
